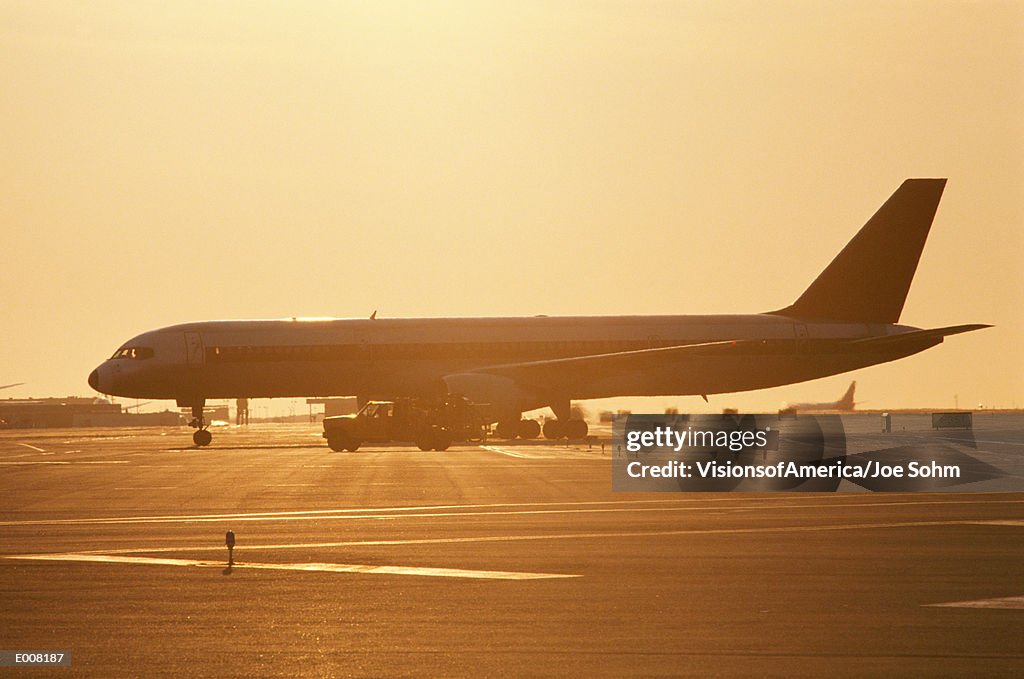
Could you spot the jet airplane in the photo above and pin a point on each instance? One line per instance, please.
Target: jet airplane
(847, 319)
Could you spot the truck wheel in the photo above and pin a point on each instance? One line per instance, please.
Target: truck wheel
(353, 446)
(425, 440)
(336, 443)
(442, 441)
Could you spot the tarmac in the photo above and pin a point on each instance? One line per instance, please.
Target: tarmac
(484, 560)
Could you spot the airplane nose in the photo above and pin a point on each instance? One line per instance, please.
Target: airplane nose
(94, 380)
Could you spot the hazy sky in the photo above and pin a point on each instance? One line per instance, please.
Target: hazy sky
(166, 162)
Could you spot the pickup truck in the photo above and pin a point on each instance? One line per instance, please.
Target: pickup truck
(431, 425)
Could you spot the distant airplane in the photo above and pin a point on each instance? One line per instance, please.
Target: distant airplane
(847, 319)
(844, 404)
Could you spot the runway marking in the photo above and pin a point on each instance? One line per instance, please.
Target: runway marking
(398, 512)
(390, 513)
(495, 449)
(313, 513)
(998, 443)
(32, 447)
(67, 462)
(1009, 602)
(146, 488)
(352, 514)
(554, 454)
(314, 567)
(543, 536)
(1000, 522)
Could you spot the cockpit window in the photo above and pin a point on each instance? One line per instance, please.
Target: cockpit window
(138, 353)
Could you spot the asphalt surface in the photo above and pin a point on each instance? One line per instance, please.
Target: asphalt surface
(492, 561)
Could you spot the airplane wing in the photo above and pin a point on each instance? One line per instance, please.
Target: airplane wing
(561, 371)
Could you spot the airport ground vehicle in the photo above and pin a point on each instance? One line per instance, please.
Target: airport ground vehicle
(432, 424)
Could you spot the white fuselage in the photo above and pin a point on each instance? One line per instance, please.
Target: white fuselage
(388, 358)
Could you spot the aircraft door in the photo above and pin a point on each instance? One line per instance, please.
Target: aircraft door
(193, 348)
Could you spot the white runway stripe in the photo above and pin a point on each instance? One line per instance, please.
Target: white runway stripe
(547, 536)
(1010, 602)
(1000, 522)
(325, 515)
(68, 462)
(40, 450)
(675, 504)
(314, 513)
(502, 451)
(310, 567)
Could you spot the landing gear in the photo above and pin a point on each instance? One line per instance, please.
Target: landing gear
(576, 429)
(528, 429)
(505, 430)
(524, 429)
(565, 429)
(201, 437)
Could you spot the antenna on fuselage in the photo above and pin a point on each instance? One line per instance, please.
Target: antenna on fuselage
(373, 316)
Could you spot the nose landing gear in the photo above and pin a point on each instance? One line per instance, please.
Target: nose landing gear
(201, 437)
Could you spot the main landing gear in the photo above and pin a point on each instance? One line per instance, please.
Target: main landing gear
(202, 436)
(565, 429)
(524, 429)
(566, 426)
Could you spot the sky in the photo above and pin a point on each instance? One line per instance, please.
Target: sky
(168, 162)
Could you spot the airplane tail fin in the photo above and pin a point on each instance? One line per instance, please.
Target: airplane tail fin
(847, 402)
(869, 279)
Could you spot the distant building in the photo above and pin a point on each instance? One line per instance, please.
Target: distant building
(76, 411)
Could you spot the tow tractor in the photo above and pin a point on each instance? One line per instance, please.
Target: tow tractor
(432, 424)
